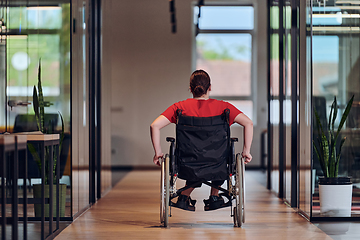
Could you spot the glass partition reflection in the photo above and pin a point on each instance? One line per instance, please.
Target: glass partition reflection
(336, 59)
(274, 95)
(33, 34)
(287, 100)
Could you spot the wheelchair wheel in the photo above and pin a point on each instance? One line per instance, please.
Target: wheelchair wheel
(243, 189)
(239, 209)
(164, 191)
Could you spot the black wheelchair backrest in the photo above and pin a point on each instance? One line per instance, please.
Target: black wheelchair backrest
(202, 147)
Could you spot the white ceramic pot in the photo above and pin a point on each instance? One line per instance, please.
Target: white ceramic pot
(335, 197)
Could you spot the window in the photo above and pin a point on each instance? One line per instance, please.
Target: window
(33, 33)
(224, 50)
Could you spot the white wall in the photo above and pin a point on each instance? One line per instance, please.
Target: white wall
(150, 70)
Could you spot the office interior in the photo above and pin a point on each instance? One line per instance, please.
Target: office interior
(110, 67)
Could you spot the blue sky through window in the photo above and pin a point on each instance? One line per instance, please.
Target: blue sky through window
(223, 17)
(326, 49)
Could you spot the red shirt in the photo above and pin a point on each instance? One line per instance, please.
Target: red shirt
(201, 108)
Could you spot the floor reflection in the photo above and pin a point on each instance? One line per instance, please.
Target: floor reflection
(340, 230)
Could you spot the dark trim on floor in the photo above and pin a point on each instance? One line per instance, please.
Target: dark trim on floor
(334, 219)
(152, 168)
(81, 212)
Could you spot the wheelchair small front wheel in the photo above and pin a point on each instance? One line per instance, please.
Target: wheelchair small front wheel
(164, 191)
(235, 218)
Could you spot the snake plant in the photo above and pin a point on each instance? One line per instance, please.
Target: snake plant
(326, 146)
(39, 105)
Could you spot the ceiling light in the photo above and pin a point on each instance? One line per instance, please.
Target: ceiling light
(332, 15)
(47, 8)
(347, 1)
(337, 29)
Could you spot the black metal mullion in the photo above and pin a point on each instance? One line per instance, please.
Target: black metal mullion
(14, 197)
(312, 103)
(294, 103)
(42, 157)
(98, 99)
(25, 198)
(92, 102)
(91, 106)
(57, 149)
(3, 193)
(269, 135)
(72, 38)
(51, 185)
(282, 143)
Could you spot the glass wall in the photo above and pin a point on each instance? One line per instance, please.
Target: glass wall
(34, 34)
(284, 99)
(336, 62)
(314, 56)
(58, 35)
(305, 79)
(274, 107)
(286, 91)
(80, 110)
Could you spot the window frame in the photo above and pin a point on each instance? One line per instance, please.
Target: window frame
(251, 32)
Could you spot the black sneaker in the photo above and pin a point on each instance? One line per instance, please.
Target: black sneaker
(184, 202)
(214, 202)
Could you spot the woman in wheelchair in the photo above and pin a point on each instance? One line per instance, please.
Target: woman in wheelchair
(200, 106)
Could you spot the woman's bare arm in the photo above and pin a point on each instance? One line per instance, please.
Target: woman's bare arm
(155, 127)
(246, 122)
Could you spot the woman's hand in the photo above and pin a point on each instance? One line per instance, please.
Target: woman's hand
(247, 156)
(157, 159)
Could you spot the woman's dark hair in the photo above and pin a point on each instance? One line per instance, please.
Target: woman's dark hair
(199, 83)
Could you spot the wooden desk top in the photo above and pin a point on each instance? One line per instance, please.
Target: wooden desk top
(7, 139)
(38, 136)
(21, 139)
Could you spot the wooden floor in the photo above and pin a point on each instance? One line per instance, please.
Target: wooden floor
(131, 211)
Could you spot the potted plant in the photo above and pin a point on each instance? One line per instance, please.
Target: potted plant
(39, 105)
(335, 192)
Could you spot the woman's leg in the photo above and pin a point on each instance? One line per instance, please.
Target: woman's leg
(187, 192)
(214, 191)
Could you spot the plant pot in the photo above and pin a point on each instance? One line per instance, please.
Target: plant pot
(335, 197)
(62, 196)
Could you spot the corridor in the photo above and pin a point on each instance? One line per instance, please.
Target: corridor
(131, 211)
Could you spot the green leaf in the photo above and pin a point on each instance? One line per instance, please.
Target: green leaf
(318, 122)
(321, 160)
(325, 150)
(338, 157)
(36, 108)
(62, 129)
(334, 107)
(35, 155)
(331, 116)
(332, 161)
(324, 145)
(41, 101)
(344, 116)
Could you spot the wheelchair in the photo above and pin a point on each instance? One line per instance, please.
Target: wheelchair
(203, 152)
